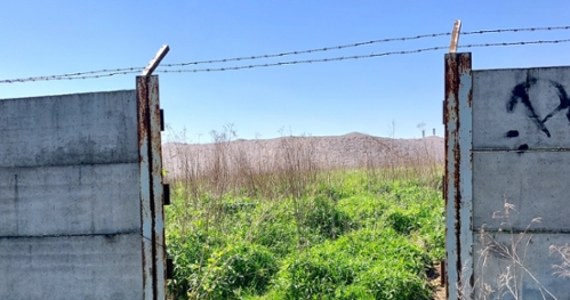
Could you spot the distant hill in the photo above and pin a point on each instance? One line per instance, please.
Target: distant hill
(352, 150)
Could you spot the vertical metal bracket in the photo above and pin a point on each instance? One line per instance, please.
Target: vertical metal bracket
(151, 193)
(161, 119)
(169, 268)
(166, 197)
(150, 124)
(458, 173)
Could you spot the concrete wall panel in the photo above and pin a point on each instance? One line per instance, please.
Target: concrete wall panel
(534, 182)
(80, 267)
(519, 151)
(69, 200)
(504, 119)
(93, 128)
(493, 266)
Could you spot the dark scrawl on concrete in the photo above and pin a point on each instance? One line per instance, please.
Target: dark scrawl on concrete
(520, 94)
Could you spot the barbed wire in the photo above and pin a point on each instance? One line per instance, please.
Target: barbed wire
(522, 43)
(306, 61)
(293, 62)
(129, 70)
(386, 40)
(118, 71)
(307, 51)
(354, 57)
(132, 70)
(72, 76)
(525, 29)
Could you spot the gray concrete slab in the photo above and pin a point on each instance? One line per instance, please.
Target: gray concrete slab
(534, 182)
(496, 269)
(70, 205)
(518, 132)
(503, 119)
(81, 267)
(92, 128)
(83, 199)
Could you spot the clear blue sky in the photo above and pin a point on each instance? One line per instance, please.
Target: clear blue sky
(53, 37)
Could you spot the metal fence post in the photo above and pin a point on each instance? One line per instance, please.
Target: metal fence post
(151, 185)
(458, 173)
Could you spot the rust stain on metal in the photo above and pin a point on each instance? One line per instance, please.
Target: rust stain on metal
(457, 199)
(150, 89)
(452, 81)
(150, 163)
(464, 63)
(447, 85)
(464, 67)
(141, 138)
(142, 128)
(151, 186)
(457, 73)
(157, 187)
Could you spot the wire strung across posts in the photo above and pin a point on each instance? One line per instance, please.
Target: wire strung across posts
(408, 38)
(307, 51)
(166, 68)
(305, 61)
(75, 76)
(354, 57)
(516, 30)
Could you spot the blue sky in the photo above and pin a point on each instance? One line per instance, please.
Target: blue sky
(379, 96)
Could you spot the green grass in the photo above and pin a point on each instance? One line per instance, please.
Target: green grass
(350, 235)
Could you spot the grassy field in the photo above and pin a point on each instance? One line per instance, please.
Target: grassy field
(301, 233)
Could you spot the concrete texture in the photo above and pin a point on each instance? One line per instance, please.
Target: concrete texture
(70, 216)
(491, 264)
(534, 182)
(78, 267)
(93, 128)
(520, 156)
(83, 199)
(494, 121)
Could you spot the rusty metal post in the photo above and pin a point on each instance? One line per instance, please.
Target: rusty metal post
(458, 173)
(151, 187)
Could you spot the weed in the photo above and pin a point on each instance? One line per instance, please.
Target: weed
(503, 271)
(283, 228)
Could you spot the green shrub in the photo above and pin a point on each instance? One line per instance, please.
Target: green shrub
(324, 217)
(395, 284)
(235, 205)
(402, 221)
(361, 263)
(354, 292)
(347, 237)
(236, 268)
(317, 274)
(189, 255)
(365, 210)
(335, 189)
(277, 230)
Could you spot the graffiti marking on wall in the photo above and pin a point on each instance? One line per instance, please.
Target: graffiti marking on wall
(521, 94)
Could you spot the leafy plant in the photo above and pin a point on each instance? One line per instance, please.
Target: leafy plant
(326, 219)
(353, 264)
(286, 229)
(236, 268)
